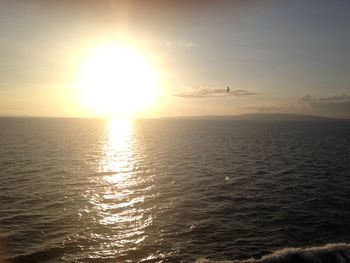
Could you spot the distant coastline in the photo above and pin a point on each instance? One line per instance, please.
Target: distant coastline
(261, 116)
(248, 116)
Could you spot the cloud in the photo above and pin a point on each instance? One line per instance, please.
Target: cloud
(307, 98)
(337, 106)
(269, 109)
(201, 92)
(289, 107)
(187, 44)
(334, 105)
(336, 98)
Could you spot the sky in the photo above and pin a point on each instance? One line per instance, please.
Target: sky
(275, 55)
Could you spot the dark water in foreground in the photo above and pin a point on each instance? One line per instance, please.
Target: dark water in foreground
(170, 190)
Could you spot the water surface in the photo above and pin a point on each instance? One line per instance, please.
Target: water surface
(89, 190)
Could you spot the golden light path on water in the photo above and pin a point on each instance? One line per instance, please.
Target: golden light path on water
(118, 151)
(119, 201)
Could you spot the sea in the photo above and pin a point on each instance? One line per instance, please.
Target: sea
(174, 190)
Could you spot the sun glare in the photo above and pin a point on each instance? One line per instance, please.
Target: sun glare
(118, 81)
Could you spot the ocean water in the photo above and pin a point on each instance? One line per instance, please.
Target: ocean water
(89, 190)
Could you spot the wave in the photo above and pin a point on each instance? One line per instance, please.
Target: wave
(330, 253)
(38, 256)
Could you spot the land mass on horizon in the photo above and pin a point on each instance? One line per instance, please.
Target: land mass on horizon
(259, 116)
(247, 116)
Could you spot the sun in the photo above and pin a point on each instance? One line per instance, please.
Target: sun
(118, 81)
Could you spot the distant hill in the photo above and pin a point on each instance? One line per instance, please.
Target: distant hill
(279, 116)
(260, 116)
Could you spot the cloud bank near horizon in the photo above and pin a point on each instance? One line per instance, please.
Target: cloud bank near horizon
(336, 105)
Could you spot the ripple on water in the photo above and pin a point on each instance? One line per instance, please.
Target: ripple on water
(169, 190)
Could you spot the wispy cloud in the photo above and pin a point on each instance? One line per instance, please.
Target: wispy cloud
(287, 107)
(336, 98)
(187, 44)
(201, 92)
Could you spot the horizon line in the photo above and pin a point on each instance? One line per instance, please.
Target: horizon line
(253, 114)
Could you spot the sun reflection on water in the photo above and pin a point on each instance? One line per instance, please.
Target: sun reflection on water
(117, 160)
(120, 199)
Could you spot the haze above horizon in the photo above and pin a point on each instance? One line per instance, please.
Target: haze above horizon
(164, 58)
